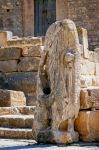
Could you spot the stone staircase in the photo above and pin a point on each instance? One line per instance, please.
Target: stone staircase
(19, 59)
(15, 121)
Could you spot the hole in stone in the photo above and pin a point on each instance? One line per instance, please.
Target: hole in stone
(45, 82)
(47, 90)
(8, 10)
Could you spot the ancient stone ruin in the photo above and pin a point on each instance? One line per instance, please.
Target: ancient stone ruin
(67, 86)
(59, 94)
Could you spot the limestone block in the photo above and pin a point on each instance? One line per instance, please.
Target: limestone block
(16, 133)
(87, 67)
(17, 110)
(20, 81)
(96, 57)
(97, 69)
(12, 98)
(25, 41)
(87, 80)
(32, 51)
(28, 64)
(97, 80)
(89, 98)
(4, 37)
(93, 56)
(87, 125)
(8, 66)
(82, 33)
(10, 53)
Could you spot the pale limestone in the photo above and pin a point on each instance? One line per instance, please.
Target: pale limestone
(97, 69)
(87, 67)
(97, 80)
(17, 110)
(86, 80)
(21, 42)
(83, 37)
(93, 56)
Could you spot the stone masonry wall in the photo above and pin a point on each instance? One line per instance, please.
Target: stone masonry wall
(19, 60)
(84, 13)
(17, 16)
(11, 16)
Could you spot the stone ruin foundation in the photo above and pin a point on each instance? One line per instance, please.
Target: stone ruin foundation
(64, 89)
(67, 83)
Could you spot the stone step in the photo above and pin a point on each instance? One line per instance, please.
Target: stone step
(16, 121)
(20, 110)
(20, 42)
(12, 98)
(16, 133)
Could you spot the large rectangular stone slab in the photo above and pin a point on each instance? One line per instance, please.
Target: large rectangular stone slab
(10, 53)
(87, 125)
(83, 38)
(28, 64)
(20, 81)
(89, 98)
(8, 66)
(32, 51)
(16, 121)
(87, 80)
(12, 98)
(17, 110)
(93, 56)
(97, 80)
(16, 133)
(87, 67)
(25, 41)
(97, 69)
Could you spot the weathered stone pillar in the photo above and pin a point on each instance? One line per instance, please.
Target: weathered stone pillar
(58, 85)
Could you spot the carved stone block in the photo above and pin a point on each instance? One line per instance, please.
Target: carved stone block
(58, 85)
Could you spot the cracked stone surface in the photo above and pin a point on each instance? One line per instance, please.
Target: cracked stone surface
(13, 144)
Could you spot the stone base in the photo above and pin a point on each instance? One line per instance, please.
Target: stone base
(87, 125)
(56, 136)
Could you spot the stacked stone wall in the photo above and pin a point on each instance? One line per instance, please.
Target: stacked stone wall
(19, 60)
